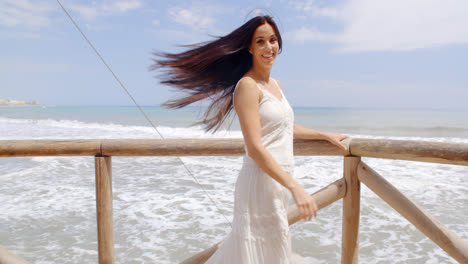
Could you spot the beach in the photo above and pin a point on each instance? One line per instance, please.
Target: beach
(161, 215)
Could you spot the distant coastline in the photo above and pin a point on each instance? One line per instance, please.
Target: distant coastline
(10, 102)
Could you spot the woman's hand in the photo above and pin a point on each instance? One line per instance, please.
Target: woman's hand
(307, 133)
(305, 203)
(336, 139)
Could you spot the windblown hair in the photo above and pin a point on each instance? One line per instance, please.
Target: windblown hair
(211, 70)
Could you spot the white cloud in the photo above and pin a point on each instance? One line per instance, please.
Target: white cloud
(196, 17)
(305, 34)
(258, 12)
(180, 36)
(37, 14)
(90, 12)
(24, 13)
(311, 7)
(156, 22)
(86, 12)
(122, 6)
(370, 25)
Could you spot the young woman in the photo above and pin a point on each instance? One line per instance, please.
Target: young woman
(234, 71)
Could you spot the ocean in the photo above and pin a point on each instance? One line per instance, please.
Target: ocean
(47, 204)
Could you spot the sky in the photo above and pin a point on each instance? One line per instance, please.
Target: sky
(355, 53)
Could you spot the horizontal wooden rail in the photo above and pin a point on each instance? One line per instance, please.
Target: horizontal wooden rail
(426, 151)
(148, 147)
(50, 147)
(438, 152)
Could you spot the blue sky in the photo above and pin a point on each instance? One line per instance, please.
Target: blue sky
(356, 53)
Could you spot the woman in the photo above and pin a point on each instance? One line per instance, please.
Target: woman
(234, 71)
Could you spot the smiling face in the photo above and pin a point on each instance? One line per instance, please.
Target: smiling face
(264, 46)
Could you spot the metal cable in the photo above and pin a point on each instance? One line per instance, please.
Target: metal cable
(141, 110)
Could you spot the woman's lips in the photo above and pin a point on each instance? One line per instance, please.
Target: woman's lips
(268, 57)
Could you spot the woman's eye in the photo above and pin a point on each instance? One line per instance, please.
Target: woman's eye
(260, 41)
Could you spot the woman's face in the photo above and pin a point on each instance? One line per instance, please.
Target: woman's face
(264, 46)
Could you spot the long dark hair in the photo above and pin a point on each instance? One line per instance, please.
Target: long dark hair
(211, 70)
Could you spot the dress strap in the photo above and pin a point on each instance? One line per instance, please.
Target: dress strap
(235, 87)
(279, 88)
(259, 88)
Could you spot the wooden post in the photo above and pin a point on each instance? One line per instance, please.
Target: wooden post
(351, 204)
(104, 209)
(6, 257)
(446, 239)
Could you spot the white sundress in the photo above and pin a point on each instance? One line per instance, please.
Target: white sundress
(260, 231)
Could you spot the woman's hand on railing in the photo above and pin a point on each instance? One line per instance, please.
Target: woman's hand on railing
(305, 203)
(336, 139)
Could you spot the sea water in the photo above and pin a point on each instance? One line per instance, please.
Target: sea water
(161, 215)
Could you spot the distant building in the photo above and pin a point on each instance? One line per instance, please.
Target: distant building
(10, 102)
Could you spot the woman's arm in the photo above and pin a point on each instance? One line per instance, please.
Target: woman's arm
(307, 133)
(246, 101)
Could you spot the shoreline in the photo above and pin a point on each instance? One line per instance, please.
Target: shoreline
(9, 102)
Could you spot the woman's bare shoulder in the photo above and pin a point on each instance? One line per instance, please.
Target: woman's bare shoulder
(247, 80)
(246, 92)
(245, 85)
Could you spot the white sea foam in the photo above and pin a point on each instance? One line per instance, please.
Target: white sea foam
(162, 216)
(62, 129)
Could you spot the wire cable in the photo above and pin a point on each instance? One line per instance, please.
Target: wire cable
(141, 110)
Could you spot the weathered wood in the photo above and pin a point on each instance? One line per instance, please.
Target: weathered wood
(203, 256)
(202, 147)
(104, 209)
(173, 147)
(351, 209)
(149, 147)
(446, 239)
(323, 198)
(317, 148)
(7, 257)
(437, 152)
(50, 147)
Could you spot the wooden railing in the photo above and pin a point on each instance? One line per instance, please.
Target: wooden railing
(348, 188)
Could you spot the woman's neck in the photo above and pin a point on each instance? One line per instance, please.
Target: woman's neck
(260, 74)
